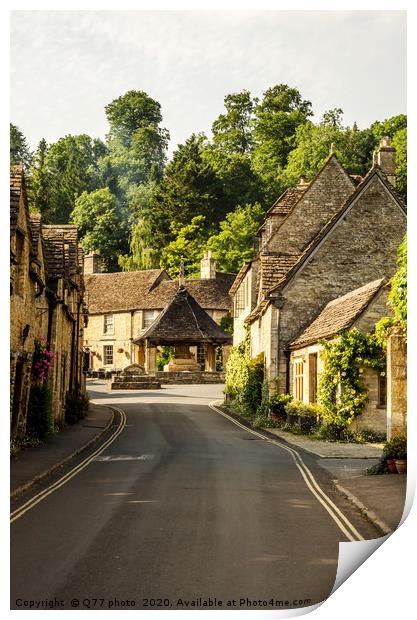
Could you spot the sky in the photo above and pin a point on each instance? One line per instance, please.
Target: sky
(66, 66)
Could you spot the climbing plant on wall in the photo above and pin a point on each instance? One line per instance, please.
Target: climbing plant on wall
(341, 391)
(244, 377)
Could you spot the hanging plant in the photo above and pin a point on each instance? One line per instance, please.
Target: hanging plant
(341, 391)
(41, 362)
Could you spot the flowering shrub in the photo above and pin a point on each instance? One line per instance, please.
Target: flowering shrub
(42, 361)
(341, 391)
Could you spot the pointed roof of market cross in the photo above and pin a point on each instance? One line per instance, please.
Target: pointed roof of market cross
(183, 321)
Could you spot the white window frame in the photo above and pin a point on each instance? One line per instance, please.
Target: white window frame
(106, 355)
(298, 380)
(108, 328)
(148, 317)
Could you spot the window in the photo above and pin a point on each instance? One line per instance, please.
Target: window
(298, 380)
(382, 391)
(108, 354)
(240, 298)
(148, 318)
(108, 325)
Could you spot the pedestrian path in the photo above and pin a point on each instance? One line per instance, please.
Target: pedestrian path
(33, 464)
(329, 449)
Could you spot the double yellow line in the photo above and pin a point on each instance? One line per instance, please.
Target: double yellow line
(337, 515)
(16, 514)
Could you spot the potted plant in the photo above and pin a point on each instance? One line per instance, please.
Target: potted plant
(395, 451)
(277, 404)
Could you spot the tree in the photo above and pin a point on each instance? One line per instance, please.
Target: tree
(399, 142)
(190, 187)
(72, 169)
(19, 149)
(40, 186)
(132, 111)
(188, 244)
(102, 226)
(277, 117)
(233, 245)
(232, 132)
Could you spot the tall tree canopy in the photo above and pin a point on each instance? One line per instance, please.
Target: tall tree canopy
(20, 152)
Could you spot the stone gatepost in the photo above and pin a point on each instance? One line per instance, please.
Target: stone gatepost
(396, 383)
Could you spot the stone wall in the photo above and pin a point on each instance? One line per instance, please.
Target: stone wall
(191, 377)
(323, 198)
(360, 249)
(396, 383)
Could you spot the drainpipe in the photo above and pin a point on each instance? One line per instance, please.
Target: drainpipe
(287, 366)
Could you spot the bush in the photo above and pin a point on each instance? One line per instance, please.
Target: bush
(76, 406)
(302, 415)
(164, 357)
(40, 420)
(396, 448)
(277, 403)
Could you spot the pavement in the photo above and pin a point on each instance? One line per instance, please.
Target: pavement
(33, 465)
(380, 498)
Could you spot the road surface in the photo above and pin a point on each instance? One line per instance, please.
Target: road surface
(184, 509)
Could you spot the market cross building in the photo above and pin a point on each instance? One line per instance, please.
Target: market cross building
(124, 305)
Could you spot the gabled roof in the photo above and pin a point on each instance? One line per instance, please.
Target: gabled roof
(184, 321)
(238, 279)
(61, 262)
(35, 227)
(17, 187)
(375, 171)
(339, 314)
(152, 289)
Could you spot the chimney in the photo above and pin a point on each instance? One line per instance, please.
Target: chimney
(385, 158)
(92, 263)
(207, 267)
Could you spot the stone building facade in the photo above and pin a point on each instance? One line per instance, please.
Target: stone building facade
(319, 241)
(123, 305)
(360, 309)
(46, 304)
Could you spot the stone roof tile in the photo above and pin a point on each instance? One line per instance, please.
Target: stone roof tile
(339, 314)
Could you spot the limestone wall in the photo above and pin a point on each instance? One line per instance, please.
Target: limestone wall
(396, 383)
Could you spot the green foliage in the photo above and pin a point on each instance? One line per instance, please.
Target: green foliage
(341, 392)
(278, 402)
(39, 191)
(397, 298)
(399, 142)
(232, 130)
(381, 331)
(304, 410)
(396, 448)
(103, 227)
(76, 406)
(226, 323)
(188, 243)
(164, 356)
(132, 111)
(40, 420)
(244, 378)
(233, 245)
(20, 152)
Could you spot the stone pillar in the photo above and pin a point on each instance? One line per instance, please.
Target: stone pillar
(210, 358)
(396, 383)
(150, 359)
(226, 353)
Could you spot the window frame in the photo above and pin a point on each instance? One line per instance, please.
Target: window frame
(106, 326)
(106, 354)
(298, 378)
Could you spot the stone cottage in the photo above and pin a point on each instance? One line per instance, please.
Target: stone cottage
(123, 305)
(320, 240)
(46, 303)
(360, 309)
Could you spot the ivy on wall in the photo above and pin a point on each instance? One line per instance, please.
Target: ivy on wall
(341, 391)
(244, 377)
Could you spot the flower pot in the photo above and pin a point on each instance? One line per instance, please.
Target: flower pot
(401, 465)
(391, 466)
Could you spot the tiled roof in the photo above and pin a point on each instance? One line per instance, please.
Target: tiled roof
(16, 187)
(376, 170)
(35, 227)
(287, 200)
(138, 290)
(184, 321)
(339, 314)
(61, 261)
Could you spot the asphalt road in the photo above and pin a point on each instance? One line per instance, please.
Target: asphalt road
(182, 506)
